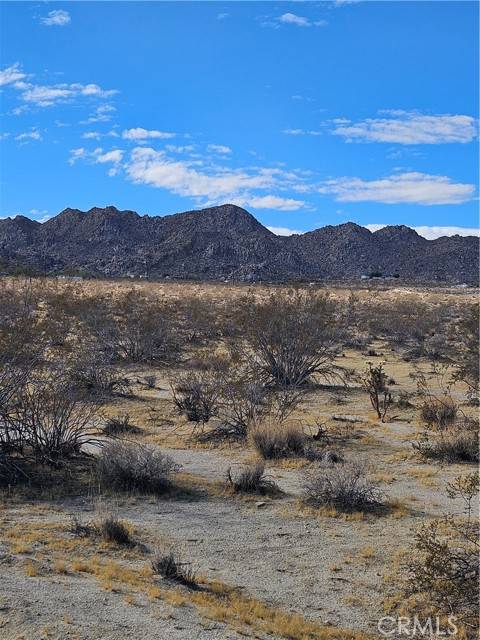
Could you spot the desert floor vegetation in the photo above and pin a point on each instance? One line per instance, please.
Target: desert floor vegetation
(260, 454)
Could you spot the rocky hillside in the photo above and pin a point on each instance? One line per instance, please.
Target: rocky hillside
(226, 242)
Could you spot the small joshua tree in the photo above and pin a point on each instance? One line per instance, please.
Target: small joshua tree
(374, 382)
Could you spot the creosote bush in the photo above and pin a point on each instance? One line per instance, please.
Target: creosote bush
(135, 467)
(195, 395)
(169, 567)
(290, 337)
(344, 487)
(251, 479)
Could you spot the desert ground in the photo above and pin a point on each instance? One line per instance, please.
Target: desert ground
(270, 562)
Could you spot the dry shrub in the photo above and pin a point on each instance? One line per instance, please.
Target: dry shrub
(46, 417)
(274, 441)
(455, 443)
(135, 467)
(195, 394)
(345, 487)
(290, 337)
(251, 479)
(120, 425)
(443, 571)
(438, 412)
(111, 529)
(374, 382)
(169, 567)
(466, 355)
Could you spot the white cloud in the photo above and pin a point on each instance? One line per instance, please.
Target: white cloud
(57, 18)
(434, 232)
(152, 167)
(96, 135)
(218, 148)
(274, 202)
(76, 154)
(103, 113)
(300, 21)
(114, 156)
(409, 127)
(144, 134)
(301, 132)
(97, 156)
(212, 184)
(284, 231)
(48, 95)
(180, 149)
(408, 188)
(11, 74)
(28, 135)
(222, 16)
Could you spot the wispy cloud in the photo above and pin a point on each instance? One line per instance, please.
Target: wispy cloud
(42, 95)
(28, 135)
(275, 202)
(139, 134)
(409, 127)
(219, 148)
(300, 21)
(406, 188)
(11, 74)
(434, 232)
(57, 18)
(98, 156)
(301, 132)
(222, 16)
(284, 231)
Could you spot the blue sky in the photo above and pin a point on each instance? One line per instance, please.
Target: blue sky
(305, 113)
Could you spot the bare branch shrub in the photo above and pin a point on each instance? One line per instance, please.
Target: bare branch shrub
(48, 418)
(135, 467)
(374, 382)
(467, 352)
(251, 479)
(290, 337)
(444, 571)
(195, 394)
(344, 487)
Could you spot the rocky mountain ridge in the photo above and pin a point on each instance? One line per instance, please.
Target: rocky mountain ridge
(227, 242)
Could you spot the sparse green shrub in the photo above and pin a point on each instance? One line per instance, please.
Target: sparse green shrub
(135, 467)
(251, 479)
(345, 487)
